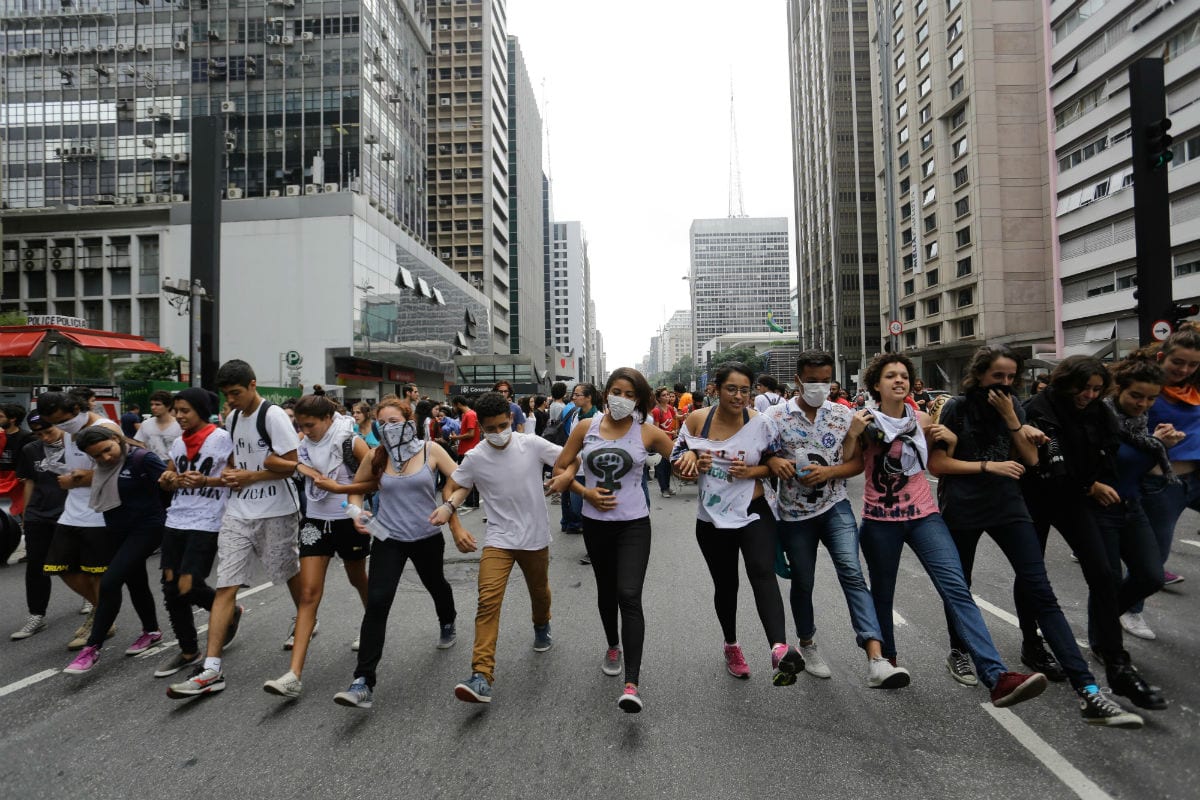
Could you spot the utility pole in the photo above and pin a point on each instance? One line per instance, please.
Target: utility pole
(208, 162)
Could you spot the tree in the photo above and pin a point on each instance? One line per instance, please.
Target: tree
(746, 355)
(158, 367)
(13, 318)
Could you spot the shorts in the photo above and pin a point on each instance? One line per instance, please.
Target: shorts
(188, 552)
(321, 537)
(270, 540)
(77, 549)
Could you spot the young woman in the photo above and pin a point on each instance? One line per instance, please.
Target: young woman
(402, 471)
(39, 464)
(899, 509)
(587, 401)
(666, 419)
(362, 424)
(1074, 483)
(616, 519)
(541, 413)
(193, 473)
(987, 450)
(727, 446)
(124, 488)
(1125, 527)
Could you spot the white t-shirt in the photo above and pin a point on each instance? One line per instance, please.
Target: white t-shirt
(510, 483)
(725, 500)
(158, 440)
(276, 498)
(77, 511)
(200, 509)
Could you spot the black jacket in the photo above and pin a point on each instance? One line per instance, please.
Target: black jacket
(1086, 440)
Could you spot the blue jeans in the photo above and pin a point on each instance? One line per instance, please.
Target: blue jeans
(838, 530)
(1128, 536)
(572, 510)
(930, 540)
(1164, 504)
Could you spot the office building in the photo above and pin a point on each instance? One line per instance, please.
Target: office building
(570, 286)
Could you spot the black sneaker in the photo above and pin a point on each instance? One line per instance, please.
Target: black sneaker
(1039, 659)
(232, 631)
(1097, 708)
(1125, 680)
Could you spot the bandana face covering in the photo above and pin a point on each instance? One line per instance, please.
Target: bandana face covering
(75, 424)
(400, 439)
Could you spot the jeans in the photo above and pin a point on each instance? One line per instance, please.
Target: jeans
(620, 553)
(495, 565)
(882, 543)
(1164, 503)
(388, 559)
(662, 473)
(37, 582)
(838, 530)
(1019, 543)
(1129, 537)
(572, 510)
(128, 568)
(756, 542)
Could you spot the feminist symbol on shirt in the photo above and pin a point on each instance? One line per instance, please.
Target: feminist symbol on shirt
(610, 464)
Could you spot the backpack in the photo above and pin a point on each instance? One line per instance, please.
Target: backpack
(260, 425)
(556, 431)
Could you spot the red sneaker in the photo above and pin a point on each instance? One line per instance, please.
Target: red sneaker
(735, 662)
(1017, 687)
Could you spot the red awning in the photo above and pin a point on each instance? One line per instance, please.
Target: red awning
(20, 345)
(122, 344)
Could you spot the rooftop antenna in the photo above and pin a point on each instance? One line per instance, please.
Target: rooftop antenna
(735, 166)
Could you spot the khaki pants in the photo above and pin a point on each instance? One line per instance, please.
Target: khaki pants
(495, 565)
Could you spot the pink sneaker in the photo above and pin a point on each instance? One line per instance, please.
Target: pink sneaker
(735, 662)
(144, 642)
(83, 662)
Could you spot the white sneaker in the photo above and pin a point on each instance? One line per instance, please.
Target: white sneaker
(813, 663)
(882, 675)
(35, 624)
(18, 555)
(354, 644)
(86, 608)
(1135, 625)
(286, 685)
(290, 641)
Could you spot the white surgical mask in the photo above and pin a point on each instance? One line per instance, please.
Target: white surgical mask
(620, 407)
(75, 424)
(500, 439)
(814, 394)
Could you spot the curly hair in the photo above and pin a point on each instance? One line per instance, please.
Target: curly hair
(1073, 373)
(874, 371)
(1129, 372)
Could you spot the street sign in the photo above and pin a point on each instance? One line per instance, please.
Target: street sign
(293, 358)
(1160, 330)
(895, 327)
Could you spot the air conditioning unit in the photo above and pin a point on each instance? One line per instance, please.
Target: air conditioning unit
(409, 178)
(284, 3)
(106, 199)
(161, 155)
(32, 265)
(228, 107)
(230, 147)
(307, 36)
(58, 263)
(103, 48)
(386, 155)
(276, 59)
(180, 47)
(293, 190)
(141, 48)
(370, 138)
(87, 50)
(176, 198)
(278, 133)
(179, 158)
(306, 59)
(273, 193)
(274, 39)
(286, 41)
(57, 252)
(147, 198)
(102, 69)
(51, 52)
(445, 101)
(330, 187)
(312, 188)
(30, 252)
(122, 47)
(66, 51)
(395, 98)
(34, 52)
(474, 24)
(163, 198)
(234, 193)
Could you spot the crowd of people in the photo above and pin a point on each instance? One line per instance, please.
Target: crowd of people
(1104, 454)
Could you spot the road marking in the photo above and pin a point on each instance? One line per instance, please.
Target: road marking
(30, 681)
(897, 619)
(1192, 542)
(1083, 787)
(161, 646)
(996, 611)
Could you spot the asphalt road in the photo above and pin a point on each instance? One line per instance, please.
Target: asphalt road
(553, 729)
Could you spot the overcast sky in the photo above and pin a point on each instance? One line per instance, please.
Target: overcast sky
(636, 97)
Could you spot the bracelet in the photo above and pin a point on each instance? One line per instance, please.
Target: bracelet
(451, 505)
(983, 466)
(1014, 430)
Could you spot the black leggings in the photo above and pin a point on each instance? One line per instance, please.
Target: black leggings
(620, 552)
(37, 582)
(128, 567)
(388, 558)
(756, 542)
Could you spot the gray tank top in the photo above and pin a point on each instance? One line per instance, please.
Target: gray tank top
(617, 466)
(405, 503)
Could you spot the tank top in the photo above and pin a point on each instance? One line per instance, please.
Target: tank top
(1184, 417)
(889, 494)
(327, 505)
(725, 500)
(615, 465)
(404, 504)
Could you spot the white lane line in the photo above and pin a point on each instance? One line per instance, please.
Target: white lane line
(30, 681)
(1192, 542)
(1083, 787)
(996, 611)
(153, 651)
(897, 619)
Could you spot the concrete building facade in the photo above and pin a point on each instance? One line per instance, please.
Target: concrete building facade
(570, 288)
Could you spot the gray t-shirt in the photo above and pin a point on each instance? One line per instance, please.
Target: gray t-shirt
(158, 440)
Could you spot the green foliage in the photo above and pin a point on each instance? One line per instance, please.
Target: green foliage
(681, 372)
(746, 355)
(13, 318)
(89, 365)
(157, 367)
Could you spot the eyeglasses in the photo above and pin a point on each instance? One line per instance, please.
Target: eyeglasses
(729, 388)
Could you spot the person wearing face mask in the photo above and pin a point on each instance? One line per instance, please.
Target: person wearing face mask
(813, 507)
(507, 471)
(616, 516)
(1075, 480)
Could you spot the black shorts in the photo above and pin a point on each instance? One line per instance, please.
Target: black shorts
(188, 552)
(321, 537)
(76, 549)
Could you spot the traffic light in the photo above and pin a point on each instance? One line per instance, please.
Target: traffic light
(1158, 144)
(1179, 314)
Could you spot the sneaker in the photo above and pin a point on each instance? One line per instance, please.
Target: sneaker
(668, 494)
(86, 608)
(787, 663)
(232, 631)
(1075, 558)
(1127, 682)
(84, 662)
(1170, 578)
(286, 685)
(735, 662)
(813, 663)
(176, 662)
(612, 662)
(1017, 687)
(290, 642)
(355, 643)
(1039, 659)
(1098, 709)
(630, 701)
(959, 665)
(357, 696)
(85, 632)
(541, 638)
(474, 689)
(201, 681)
(882, 675)
(144, 642)
(35, 624)
(1135, 625)
(447, 636)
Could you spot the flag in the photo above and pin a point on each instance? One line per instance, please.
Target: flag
(772, 324)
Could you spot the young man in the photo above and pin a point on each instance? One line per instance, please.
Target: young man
(467, 437)
(505, 388)
(38, 468)
(261, 521)
(507, 471)
(835, 395)
(131, 420)
(558, 402)
(813, 508)
(411, 394)
(162, 429)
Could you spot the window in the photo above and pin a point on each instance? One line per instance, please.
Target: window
(929, 196)
(958, 118)
(898, 10)
(905, 186)
(902, 85)
(902, 162)
(898, 38)
(922, 33)
(909, 287)
(927, 169)
(956, 59)
(926, 86)
(958, 87)
(966, 328)
(1081, 154)
(926, 140)
(906, 236)
(962, 237)
(960, 148)
(906, 211)
(923, 60)
(931, 251)
(922, 7)
(902, 111)
(903, 135)
(900, 61)
(930, 223)
(960, 178)
(910, 339)
(965, 297)
(954, 31)
(931, 278)
(952, 4)
(926, 114)
(909, 312)
(933, 306)
(933, 334)
(963, 268)
(909, 260)
(962, 207)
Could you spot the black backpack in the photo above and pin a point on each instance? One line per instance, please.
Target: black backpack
(260, 425)
(556, 431)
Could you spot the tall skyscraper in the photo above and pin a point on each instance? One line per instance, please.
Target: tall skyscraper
(837, 252)
(468, 144)
(1093, 46)
(570, 287)
(960, 100)
(739, 274)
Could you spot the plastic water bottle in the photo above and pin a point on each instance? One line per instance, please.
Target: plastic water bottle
(354, 512)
